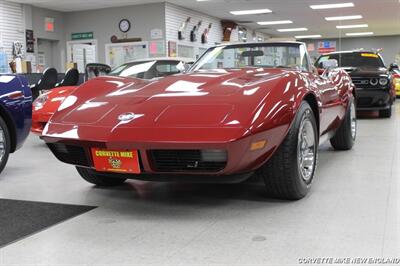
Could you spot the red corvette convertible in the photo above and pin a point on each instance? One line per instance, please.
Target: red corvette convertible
(47, 103)
(241, 109)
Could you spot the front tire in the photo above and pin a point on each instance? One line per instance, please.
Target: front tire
(346, 135)
(290, 171)
(5, 142)
(99, 179)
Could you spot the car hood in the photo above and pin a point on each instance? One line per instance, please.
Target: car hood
(198, 99)
(366, 71)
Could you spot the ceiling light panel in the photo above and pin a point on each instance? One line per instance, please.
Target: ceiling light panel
(359, 33)
(276, 22)
(250, 12)
(352, 26)
(344, 18)
(292, 29)
(308, 36)
(330, 6)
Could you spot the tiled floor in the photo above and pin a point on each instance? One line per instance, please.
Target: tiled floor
(353, 210)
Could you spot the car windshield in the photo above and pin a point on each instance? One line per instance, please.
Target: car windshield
(147, 69)
(359, 59)
(268, 55)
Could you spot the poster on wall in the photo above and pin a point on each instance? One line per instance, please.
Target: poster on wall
(157, 48)
(30, 41)
(121, 53)
(326, 47)
(156, 34)
(172, 49)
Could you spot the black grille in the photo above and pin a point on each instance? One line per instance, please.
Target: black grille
(364, 101)
(366, 82)
(183, 161)
(69, 154)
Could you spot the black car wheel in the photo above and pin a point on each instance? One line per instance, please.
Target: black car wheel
(387, 113)
(99, 179)
(4, 144)
(346, 135)
(290, 171)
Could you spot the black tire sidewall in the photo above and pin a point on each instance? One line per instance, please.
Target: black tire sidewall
(7, 144)
(304, 112)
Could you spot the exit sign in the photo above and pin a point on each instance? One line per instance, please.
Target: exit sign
(82, 36)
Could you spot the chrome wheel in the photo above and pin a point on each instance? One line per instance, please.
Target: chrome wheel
(2, 144)
(306, 149)
(353, 121)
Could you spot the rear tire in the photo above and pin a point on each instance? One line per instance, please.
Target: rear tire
(99, 179)
(387, 113)
(288, 174)
(346, 135)
(5, 144)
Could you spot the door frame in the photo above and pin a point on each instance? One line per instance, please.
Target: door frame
(91, 41)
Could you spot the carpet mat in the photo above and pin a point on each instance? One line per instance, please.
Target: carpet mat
(19, 219)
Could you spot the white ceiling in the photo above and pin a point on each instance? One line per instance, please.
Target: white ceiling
(383, 16)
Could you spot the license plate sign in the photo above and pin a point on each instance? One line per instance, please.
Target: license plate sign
(119, 161)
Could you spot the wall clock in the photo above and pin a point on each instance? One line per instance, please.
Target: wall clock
(124, 25)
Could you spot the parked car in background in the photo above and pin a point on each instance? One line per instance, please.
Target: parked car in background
(373, 81)
(240, 110)
(46, 104)
(15, 114)
(396, 79)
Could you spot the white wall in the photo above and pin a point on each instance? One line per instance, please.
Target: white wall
(35, 20)
(11, 26)
(175, 15)
(104, 23)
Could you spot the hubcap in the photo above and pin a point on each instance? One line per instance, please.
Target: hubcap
(2, 144)
(353, 121)
(306, 149)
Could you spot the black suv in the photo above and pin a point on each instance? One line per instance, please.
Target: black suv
(370, 76)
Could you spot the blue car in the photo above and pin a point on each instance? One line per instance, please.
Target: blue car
(15, 114)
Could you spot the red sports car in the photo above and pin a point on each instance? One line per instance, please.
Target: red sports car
(241, 109)
(47, 103)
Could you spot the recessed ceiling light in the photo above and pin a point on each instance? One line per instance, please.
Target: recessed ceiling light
(352, 26)
(344, 18)
(276, 22)
(359, 33)
(292, 29)
(308, 36)
(251, 12)
(329, 6)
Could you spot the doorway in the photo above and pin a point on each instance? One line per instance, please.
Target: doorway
(82, 53)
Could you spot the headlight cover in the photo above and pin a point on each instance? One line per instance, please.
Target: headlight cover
(40, 101)
(383, 81)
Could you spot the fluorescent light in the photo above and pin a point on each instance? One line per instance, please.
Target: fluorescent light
(308, 36)
(359, 33)
(292, 29)
(276, 22)
(344, 18)
(329, 6)
(352, 26)
(250, 12)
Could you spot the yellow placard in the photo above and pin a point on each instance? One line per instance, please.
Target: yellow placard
(370, 55)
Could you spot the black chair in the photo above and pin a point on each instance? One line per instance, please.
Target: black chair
(46, 82)
(71, 78)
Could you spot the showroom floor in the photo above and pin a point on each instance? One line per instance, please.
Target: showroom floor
(353, 210)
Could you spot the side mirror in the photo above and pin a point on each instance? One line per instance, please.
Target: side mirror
(331, 63)
(393, 66)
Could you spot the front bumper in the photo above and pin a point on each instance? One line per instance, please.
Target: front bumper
(373, 99)
(240, 158)
(39, 121)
